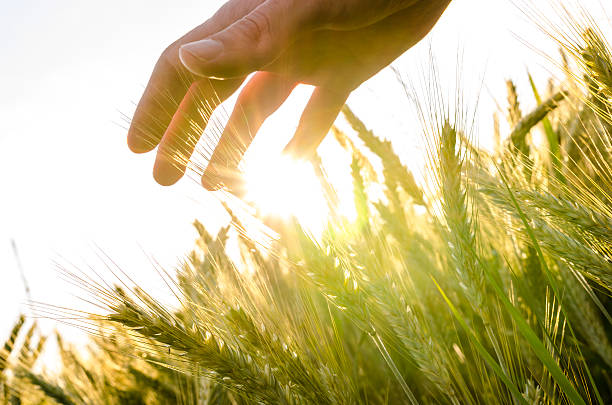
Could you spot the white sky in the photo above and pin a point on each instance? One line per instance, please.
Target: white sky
(67, 180)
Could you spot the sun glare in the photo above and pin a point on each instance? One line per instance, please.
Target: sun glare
(286, 188)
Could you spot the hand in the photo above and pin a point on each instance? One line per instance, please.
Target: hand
(334, 45)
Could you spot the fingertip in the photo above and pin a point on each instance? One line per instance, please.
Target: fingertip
(210, 184)
(229, 179)
(166, 172)
(138, 147)
(290, 150)
(299, 148)
(138, 142)
(317, 119)
(210, 179)
(164, 179)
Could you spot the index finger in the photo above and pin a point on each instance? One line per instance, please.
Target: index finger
(170, 81)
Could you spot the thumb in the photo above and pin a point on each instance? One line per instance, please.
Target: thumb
(251, 42)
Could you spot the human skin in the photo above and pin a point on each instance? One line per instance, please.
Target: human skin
(334, 45)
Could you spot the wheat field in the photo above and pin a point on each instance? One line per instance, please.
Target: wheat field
(487, 283)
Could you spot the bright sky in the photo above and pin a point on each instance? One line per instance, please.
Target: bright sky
(70, 68)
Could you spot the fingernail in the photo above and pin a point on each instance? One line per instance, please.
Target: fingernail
(204, 50)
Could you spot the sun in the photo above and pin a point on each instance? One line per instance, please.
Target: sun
(284, 188)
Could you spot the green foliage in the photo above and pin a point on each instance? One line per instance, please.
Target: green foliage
(492, 286)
